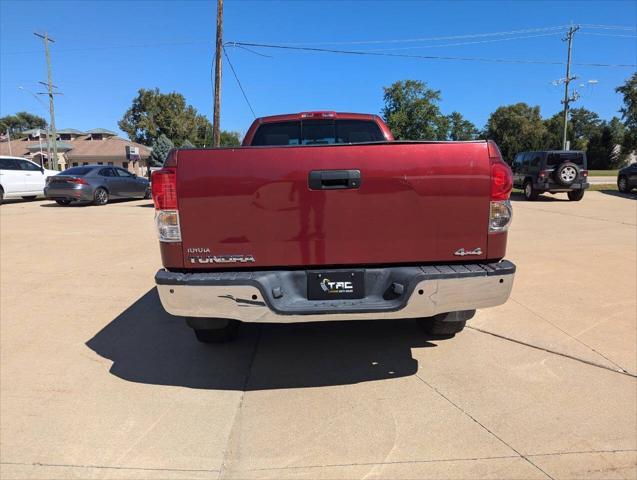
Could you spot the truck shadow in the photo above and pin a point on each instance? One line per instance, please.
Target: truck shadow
(147, 345)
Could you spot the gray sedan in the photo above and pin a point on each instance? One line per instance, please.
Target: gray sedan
(95, 184)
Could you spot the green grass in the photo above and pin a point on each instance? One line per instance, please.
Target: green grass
(602, 173)
(603, 186)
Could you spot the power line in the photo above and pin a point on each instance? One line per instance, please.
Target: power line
(607, 27)
(608, 34)
(421, 57)
(236, 77)
(363, 42)
(463, 43)
(432, 39)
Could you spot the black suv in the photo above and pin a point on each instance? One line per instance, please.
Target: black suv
(551, 171)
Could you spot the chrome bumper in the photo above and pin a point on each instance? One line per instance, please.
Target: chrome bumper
(249, 297)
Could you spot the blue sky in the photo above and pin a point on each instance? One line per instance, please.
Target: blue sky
(105, 51)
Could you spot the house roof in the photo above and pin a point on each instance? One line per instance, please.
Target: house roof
(63, 146)
(103, 131)
(79, 148)
(71, 131)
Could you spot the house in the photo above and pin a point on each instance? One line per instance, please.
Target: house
(76, 147)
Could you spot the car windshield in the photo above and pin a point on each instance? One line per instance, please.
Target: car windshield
(77, 171)
(555, 159)
(317, 132)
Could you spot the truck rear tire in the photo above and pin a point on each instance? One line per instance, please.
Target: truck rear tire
(445, 325)
(213, 330)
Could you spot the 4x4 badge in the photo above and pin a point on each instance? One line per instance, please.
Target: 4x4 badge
(461, 252)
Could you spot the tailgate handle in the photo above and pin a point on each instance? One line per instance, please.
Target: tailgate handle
(334, 179)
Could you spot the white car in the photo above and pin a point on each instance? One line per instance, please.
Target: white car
(20, 177)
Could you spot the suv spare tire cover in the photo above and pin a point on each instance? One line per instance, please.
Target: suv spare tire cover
(566, 173)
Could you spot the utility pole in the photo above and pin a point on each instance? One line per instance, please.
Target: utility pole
(567, 100)
(53, 162)
(216, 132)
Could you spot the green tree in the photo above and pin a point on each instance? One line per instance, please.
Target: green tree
(516, 128)
(461, 128)
(153, 113)
(187, 145)
(412, 113)
(554, 130)
(161, 146)
(20, 122)
(629, 112)
(605, 150)
(230, 139)
(582, 124)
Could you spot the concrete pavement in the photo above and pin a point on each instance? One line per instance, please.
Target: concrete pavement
(97, 381)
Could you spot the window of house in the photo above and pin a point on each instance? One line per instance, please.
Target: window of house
(84, 163)
(125, 164)
(75, 164)
(65, 136)
(110, 163)
(96, 136)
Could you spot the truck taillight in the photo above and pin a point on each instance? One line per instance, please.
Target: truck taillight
(500, 211)
(164, 188)
(500, 216)
(167, 222)
(584, 173)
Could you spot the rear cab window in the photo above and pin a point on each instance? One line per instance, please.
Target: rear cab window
(317, 132)
(77, 171)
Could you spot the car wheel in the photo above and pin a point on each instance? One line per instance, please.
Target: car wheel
(445, 325)
(100, 197)
(63, 202)
(622, 184)
(566, 173)
(530, 193)
(575, 195)
(30, 197)
(214, 330)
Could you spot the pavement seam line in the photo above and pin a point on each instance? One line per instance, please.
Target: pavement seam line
(434, 460)
(578, 216)
(554, 352)
(112, 467)
(581, 342)
(482, 425)
(228, 450)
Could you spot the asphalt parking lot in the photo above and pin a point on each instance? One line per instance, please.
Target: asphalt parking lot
(97, 381)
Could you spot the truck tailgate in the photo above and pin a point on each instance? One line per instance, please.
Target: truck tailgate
(253, 207)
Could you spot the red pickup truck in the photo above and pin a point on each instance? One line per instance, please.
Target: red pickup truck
(323, 216)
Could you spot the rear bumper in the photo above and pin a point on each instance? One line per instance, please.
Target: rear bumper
(551, 186)
(281, 296)
(81, 193)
